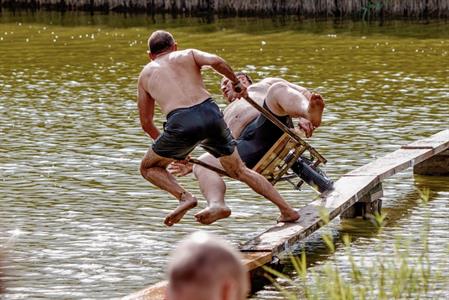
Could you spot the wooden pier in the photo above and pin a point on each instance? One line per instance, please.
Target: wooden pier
(355, 194)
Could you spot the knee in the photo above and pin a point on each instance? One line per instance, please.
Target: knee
(278, 85)
(145, 168)
(201, 173)
(275, 89)
(275, 92)
(197, 170)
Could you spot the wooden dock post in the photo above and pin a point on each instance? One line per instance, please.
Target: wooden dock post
(437, 165)
(367, 205)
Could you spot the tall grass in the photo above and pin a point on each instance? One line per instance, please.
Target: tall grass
(397, 276)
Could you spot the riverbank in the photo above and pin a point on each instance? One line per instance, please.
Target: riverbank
(365, 9)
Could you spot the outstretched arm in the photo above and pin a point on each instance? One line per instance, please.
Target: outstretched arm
(145, 103)
(216, 62)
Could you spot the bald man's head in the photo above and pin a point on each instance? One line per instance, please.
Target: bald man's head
(204, 267)
(160, 41)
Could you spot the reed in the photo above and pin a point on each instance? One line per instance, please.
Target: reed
(396, 276)
(308, 8)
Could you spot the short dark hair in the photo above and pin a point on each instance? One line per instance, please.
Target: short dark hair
(246, 75)
(160, 41)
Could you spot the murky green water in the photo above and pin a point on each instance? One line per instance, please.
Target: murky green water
(79, 222)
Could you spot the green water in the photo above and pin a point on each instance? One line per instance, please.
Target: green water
(76, 219)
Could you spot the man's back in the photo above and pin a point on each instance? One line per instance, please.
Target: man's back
(174, 80)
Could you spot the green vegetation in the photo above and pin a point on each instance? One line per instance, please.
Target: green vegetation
(371, 8)
(398, 276)
(338, 8)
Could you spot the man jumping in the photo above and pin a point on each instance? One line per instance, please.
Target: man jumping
(173, 80)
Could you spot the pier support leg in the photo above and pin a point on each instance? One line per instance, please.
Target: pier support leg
(437, 165)
(367, 205)
(258, 278)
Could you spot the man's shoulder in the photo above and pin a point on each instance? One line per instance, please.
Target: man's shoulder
(182, 53)
(147, 69)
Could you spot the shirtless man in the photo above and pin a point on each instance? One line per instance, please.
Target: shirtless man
(255, 134)
(173, 80)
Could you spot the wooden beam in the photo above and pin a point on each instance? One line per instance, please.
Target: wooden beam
(279, 238)
(367, 205)
(437, 165)
(393, 163)
(154, 292)
(253, 260)
(438, 142)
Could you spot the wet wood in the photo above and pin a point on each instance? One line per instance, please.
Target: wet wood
(281, 237)
(253, 260)
(367, 206)
(438, 142)
(393, 163)
(437, 165)
(154, 292)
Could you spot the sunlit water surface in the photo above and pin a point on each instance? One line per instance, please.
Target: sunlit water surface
(77, 220)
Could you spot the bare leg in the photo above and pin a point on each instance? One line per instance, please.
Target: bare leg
(213, 188)
(234, 166)
(153, 169)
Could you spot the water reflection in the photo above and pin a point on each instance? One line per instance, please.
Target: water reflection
(91, 227)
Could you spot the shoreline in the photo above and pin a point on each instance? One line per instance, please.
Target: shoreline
(365, 9)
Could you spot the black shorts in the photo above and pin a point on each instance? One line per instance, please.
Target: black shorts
(201, 124)
(258, 137)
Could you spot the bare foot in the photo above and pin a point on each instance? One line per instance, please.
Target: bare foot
(212, 213)
(188, 202)
(315, 110)
(291, 216)
(316, 98)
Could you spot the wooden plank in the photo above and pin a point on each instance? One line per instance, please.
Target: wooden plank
(444, 153)
(253, 260)
(279, 238)
(393, 163)
(438, 142)
(437, 165)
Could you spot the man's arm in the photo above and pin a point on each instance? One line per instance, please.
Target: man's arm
(216, 62)
(145, 103)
